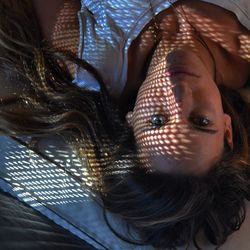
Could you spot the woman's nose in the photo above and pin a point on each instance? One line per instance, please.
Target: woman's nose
(182, 102)
(182, 94)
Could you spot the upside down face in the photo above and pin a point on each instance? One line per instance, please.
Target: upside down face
(178, 120)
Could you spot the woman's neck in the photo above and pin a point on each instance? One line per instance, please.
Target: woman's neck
(219, 30)
(222, 34)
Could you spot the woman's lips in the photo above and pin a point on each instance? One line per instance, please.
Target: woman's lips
(177, 70)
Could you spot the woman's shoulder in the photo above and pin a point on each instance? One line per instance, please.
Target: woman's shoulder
(240, 8)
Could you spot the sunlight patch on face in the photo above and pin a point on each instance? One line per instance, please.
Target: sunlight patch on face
(245, 47)
(160, 113)
(157, 98)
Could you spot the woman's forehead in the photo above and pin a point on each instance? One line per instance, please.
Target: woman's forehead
(179, 148)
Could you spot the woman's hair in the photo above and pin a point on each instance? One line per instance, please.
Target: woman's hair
(172, 210)
(47, 102)
(167, 210)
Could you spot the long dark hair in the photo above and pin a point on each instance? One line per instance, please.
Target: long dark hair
(167, 210)
(47, 102)
(173, 210)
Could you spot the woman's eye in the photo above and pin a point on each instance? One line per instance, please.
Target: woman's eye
(201, 121)
(158, 120)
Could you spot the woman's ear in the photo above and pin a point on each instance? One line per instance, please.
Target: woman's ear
(228, 132)
(129, 116)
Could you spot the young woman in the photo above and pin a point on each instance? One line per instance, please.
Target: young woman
(191, 141)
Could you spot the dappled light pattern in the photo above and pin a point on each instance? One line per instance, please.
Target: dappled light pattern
(157, 101)
(49, 170)
(225, 34)
(65, 34)
(57, 178)
(244, 47)
(174, 125)
(171, 105)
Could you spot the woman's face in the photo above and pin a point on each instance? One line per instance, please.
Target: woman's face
(178, 119)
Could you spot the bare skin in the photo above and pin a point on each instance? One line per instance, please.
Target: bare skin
(227, 39)
(230, 54)
(178, 120)
(227, 59)
(46, 12)
(171, 110)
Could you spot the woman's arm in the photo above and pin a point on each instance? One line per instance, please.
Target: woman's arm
(46, 12)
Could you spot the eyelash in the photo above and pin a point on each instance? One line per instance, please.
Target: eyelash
(192, 119)
(162, 120)
(158, 118)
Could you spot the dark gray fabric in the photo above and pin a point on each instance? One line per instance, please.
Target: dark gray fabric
(23, 228)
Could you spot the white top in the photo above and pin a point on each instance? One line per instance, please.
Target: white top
(107, 28)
